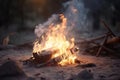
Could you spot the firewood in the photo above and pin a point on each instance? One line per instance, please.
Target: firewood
(53, 61)
(103, 43)
(109, 39)
(107, 27)
(43, 56)
(113, 40)
(92, 40)
(98, 46)
(105, 48)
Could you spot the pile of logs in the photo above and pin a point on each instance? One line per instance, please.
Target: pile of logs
(102, 43)
(109, 40)
(44, 58)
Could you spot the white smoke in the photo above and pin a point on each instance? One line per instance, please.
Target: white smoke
(41, 28)
(76, 16)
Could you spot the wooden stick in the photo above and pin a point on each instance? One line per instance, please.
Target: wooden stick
(107, 27)
(114, 40)
(92, 40)
(107, 49)
(100, 49)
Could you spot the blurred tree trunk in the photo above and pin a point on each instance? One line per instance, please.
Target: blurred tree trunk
(5, 12)
(22, 13)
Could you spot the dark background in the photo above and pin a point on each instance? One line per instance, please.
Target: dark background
(19, 17)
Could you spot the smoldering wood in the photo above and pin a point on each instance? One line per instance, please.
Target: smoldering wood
(52, 62)
(44, 56)
(55, 61)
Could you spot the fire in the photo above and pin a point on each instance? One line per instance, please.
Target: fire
(54, 39)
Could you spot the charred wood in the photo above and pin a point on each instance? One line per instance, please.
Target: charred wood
(43, 56)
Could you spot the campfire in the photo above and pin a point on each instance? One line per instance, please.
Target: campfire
(53, 47)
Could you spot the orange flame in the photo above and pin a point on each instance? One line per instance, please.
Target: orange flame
(55, 39)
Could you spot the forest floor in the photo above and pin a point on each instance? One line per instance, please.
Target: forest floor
(100, 68)
(106, 68)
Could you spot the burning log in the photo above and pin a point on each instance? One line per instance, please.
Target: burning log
(53, 61)
(54, 38)
(48, 58)
(43, 56)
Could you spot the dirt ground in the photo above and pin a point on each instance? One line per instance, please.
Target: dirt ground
(106, 68)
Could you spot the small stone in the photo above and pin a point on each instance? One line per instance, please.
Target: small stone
(37, 74)
(102, 76)
(42, 78)
(10, 68)
(83, 75)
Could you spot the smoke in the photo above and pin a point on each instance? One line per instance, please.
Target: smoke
(77, 21)
(41, 28)
(76, 15)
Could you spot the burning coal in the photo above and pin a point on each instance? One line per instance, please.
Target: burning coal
(53, 42)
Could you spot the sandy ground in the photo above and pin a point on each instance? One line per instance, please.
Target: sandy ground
(107, 68)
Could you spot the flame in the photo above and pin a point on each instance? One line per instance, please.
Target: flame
(55, 39)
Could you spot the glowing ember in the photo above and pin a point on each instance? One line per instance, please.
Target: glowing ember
(55, 39)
